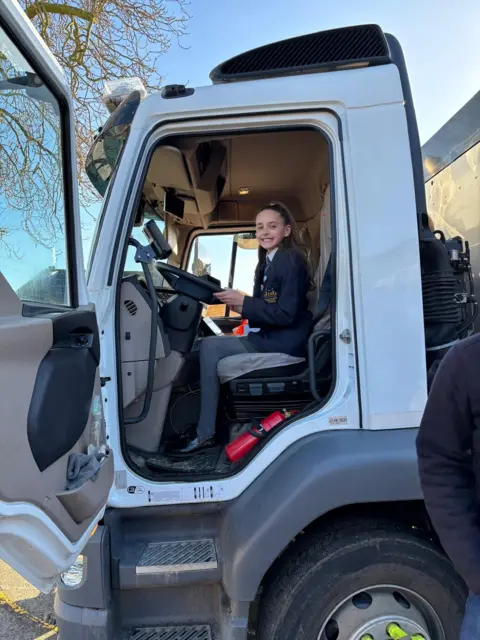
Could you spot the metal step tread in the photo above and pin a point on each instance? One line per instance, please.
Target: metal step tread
(197, 632)
(184, 555)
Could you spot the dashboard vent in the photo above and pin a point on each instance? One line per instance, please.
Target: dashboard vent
(131, 307)
(323, 51)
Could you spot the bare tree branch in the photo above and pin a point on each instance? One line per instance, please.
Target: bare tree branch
(39, 8)
(99, 40)
(93, 41)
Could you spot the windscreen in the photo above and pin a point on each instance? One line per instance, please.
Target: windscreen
(105, 151)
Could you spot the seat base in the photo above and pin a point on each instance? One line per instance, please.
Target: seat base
(258, 393)
(284, 372)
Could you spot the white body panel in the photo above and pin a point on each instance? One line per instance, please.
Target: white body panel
(388, 299)
(382, 241)
(361, 112)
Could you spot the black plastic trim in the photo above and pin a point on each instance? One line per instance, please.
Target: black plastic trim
(332, 50)
(312, 343)
(34, 309)
(172, 91)
(94, 592)
(398, 60)
(62, 395)
(66, 120)
(106, 199)
(77, 323)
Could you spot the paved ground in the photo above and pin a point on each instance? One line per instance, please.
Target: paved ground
(25, 613)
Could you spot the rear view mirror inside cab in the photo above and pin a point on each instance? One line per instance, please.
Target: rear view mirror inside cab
(246, 240)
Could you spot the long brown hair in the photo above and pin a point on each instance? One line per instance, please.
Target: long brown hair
(290, 242)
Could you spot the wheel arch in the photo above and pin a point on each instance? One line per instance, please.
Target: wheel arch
(320, 477)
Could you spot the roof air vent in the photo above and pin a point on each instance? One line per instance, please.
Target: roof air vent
(323, 51)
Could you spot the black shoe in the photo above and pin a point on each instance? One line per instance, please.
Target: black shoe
(196, 445)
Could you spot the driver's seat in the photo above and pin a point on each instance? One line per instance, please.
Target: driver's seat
(255, 384)
(273, 381)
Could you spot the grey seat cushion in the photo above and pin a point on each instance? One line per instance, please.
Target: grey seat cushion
(233, 367)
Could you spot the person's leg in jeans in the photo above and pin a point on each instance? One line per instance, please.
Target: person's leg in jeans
(471, 623)
(212, 350)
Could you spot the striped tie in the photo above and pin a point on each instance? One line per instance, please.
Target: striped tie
(268, 264)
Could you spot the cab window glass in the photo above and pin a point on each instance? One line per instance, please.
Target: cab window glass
(228, 257)
(33, 248)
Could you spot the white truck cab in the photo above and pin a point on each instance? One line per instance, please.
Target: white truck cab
(320, 530)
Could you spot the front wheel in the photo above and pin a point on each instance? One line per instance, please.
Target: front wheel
(363, 581)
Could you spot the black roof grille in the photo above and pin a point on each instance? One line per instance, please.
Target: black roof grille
(323, 51)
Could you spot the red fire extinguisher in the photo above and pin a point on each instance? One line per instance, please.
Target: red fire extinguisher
(242, 445)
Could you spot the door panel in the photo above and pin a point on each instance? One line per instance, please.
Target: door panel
(55, 468)
(47, 383)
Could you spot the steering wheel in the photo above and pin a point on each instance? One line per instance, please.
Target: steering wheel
(188, 284)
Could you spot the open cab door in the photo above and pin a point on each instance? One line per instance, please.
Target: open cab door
(55, 468)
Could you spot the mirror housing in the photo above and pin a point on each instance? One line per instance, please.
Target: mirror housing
(157, 241)
(246, 240)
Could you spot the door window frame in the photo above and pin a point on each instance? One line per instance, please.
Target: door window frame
(65, 115)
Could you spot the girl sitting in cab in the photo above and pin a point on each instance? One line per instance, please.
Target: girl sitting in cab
(277, 312)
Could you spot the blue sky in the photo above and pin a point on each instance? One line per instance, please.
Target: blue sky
(439, 38)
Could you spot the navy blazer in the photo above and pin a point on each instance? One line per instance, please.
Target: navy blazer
(280, 308)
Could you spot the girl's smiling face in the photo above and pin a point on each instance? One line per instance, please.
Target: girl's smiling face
(271, 229)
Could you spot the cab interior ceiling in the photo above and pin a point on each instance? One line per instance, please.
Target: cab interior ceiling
(226, 180)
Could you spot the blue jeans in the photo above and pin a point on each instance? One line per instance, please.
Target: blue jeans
(471, 622)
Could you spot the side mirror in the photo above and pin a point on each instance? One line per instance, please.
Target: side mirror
(157, 241)
(202, 263)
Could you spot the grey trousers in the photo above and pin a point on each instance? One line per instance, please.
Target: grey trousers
(212, 350)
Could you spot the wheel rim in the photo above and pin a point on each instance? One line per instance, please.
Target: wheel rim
(382, 612)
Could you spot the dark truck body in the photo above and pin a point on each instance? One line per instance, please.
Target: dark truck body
(451, 161)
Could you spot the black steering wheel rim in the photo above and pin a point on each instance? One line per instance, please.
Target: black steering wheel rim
(169, 270)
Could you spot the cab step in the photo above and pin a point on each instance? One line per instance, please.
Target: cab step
(169, 562)
(187, 555)
(197, 632)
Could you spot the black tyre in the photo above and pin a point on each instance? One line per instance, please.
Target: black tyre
(355, 580)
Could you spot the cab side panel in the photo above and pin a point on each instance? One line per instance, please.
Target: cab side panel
(318, 474)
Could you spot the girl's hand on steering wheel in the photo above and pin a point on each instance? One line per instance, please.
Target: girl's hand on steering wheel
(232, 298)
